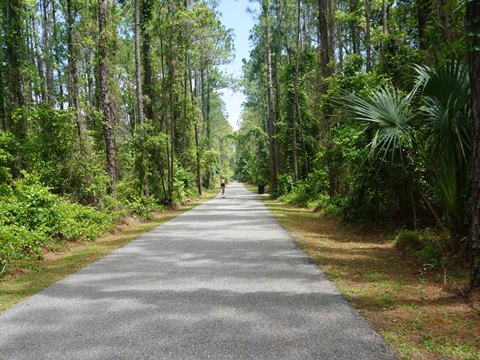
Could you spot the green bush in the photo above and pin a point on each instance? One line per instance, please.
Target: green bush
(184, 185)
(19, 245)
(32, 218)
(423, 245)
(409, 240)
(285, 184)
(143, 207)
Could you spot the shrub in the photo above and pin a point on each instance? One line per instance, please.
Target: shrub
(32, 218)
(285, 184)
(423, 245)
(18, 245)
(143, 207)
(408, 240)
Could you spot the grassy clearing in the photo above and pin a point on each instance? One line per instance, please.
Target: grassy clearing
(410, 308)
(76, 256)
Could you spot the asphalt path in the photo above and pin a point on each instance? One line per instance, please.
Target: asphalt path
(222, 281)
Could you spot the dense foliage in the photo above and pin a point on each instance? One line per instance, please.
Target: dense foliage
(369, 116)
(107, 109)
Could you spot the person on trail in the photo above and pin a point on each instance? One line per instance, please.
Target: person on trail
(222, 185)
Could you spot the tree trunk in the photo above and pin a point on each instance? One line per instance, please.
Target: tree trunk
(271, 124)
(295, 98)
(47, 56)
(104, 98)
(208, 125)
(73, 76)
(171, 79)
(148, 81)
(58, 61)
(38, 54)
(3, 114)
(195, 94)
(473, 23)
(325, 31)
(384, 15)
(166, 83)
(13, 40)
(367, 35)
(423, 11)
(140, 113)
(90, 64)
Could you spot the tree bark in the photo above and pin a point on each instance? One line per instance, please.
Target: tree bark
(473, 23)
(38, 54)
(140, 113)
(295, 98)
(58, 61)
(208, 125)
(73, 76)
(271, 124)
(13, 42)
(148, 81)
(325, 36)
(47, 56)
(367, 35)
(3, 114)
(423, 11)
(105, 100)
(384, 15)
(166, 84)
(171, 84)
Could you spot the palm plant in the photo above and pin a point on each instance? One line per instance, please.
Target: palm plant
(445, 95)
(446, 111)
(389, 116)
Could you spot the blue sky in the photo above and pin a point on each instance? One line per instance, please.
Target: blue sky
(234, 16)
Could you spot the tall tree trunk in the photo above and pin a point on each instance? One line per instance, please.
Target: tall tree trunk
(148, 81)
(423, 11)
(166, 84)
(171, 80)
(195, 98)
(73, 76)
(140, 113)
(47, 56)
(38, 54)
(325, 31)
(208, 124)
(271, 124)
(3, 115)
(367, 35)
(195, 94)
(295, 97)
(384, 15)
(473, 23)
(13, 41)
(90, 65)
(105, 96)
(58, 60)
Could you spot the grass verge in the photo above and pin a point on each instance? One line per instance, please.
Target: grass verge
(76, 256)
(410, 308)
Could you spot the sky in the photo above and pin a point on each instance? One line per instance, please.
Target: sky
(234, 16)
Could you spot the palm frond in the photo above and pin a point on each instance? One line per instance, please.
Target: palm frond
(389, 114)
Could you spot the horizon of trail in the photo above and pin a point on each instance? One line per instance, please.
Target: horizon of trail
(221, 281)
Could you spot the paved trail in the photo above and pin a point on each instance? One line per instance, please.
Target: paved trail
(222, 281)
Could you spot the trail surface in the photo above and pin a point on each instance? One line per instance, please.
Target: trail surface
(222, 281)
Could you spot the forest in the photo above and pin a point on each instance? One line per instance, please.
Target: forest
(366, 110)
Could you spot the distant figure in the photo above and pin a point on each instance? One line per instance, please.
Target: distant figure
(222, 185)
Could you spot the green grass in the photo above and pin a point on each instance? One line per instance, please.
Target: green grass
(45, 273)
(419, 318)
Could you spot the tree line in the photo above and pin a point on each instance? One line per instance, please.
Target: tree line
(109, 105)
(369, 110)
